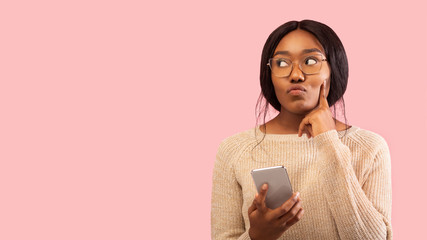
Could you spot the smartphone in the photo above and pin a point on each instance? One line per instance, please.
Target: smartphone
(279, 185)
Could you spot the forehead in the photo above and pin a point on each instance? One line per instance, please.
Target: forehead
(296, 41)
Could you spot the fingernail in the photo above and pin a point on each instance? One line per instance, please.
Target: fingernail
(296, 196)
(264, 186)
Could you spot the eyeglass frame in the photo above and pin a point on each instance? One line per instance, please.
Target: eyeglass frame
(299, 65)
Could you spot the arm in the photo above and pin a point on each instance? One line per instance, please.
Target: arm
(227, 199)
(360, 212)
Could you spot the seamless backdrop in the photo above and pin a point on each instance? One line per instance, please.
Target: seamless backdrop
(112, 111)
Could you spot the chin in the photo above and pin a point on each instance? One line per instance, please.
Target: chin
(299, 110)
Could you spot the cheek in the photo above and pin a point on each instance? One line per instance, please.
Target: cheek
(279, 87)
(324, 75)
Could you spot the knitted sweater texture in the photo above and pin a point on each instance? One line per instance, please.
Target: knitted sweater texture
(344, 183)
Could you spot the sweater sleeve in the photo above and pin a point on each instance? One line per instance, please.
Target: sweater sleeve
(360, 212)
(226, 204)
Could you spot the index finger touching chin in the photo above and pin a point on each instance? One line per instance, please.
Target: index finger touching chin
(323, 100)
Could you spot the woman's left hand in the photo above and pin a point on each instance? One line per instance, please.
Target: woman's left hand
(319, 120)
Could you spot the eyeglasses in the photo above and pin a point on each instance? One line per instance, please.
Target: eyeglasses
(282, 67)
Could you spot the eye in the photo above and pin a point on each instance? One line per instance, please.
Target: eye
(282, 63)
(311, 61)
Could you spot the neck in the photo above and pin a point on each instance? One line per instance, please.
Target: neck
(288, 122)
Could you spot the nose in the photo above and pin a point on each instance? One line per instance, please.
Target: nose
(296, 74)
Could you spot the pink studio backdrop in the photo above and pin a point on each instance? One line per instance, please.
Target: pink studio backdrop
(112, 111)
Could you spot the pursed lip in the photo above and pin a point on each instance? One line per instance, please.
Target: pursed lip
(296, 87)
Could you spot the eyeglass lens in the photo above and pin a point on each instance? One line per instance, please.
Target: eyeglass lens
(282, 67)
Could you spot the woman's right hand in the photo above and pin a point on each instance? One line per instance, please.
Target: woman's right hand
(266, 223)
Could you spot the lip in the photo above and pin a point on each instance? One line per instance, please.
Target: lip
(296, 90)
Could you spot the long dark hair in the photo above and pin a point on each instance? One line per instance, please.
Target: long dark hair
(335, 54)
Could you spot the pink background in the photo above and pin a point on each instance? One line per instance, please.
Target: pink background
(112, 111)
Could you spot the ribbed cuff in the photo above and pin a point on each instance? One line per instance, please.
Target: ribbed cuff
(245, 236)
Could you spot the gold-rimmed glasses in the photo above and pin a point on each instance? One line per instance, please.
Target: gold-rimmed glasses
(282, 67)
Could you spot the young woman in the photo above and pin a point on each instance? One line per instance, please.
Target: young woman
(340, 174)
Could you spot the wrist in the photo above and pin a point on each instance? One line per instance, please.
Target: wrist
(251, 234)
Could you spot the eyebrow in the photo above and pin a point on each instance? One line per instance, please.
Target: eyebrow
(303, 51)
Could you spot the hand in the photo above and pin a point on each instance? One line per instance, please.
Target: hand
(319, 120)
(266, 223)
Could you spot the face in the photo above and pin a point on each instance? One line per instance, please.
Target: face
(294, 43)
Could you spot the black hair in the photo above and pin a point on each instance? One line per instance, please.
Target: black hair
(335, 54)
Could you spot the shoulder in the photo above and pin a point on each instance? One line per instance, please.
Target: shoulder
(234, 145)
(368, 140)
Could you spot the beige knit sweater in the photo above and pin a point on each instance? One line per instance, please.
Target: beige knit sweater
(344, 183)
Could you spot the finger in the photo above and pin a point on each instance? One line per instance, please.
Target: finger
(291, 213)
(286, 206)
(323, 102)
(306, 132)
(309, 130)
(260, 199)
(252, 208)
(301, 127)
(295, 219)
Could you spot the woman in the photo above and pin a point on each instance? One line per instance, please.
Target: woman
(340, 174)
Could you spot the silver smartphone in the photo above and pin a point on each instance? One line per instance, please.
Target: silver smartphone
(279, 185)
